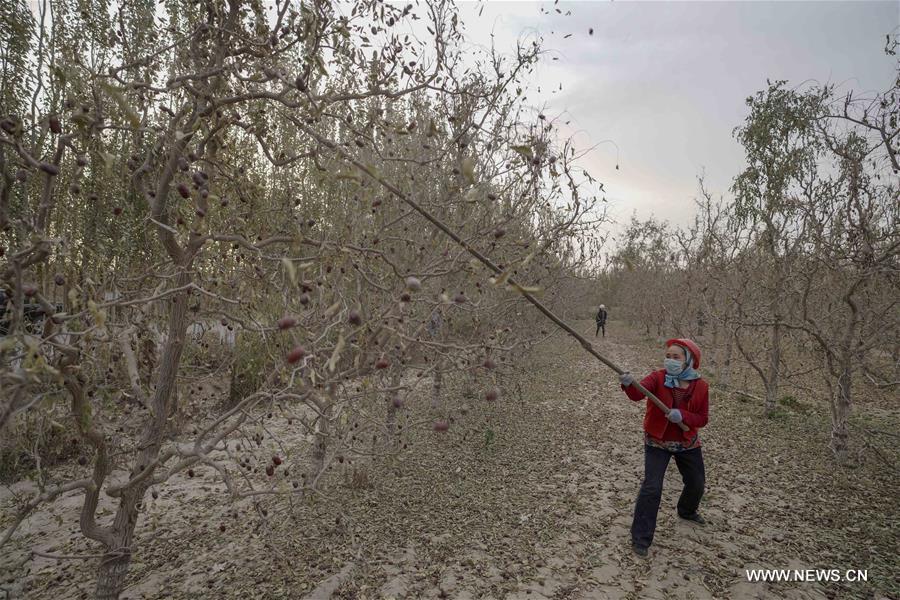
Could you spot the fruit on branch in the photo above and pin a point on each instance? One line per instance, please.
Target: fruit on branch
(81, 160)
(58, 279)
(286, 322)
(184, 191)
(296, 354)
(11, 125)
(49, 168)
(55, 126)
(29, 290)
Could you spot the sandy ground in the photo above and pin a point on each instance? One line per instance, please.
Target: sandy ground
(529, 497)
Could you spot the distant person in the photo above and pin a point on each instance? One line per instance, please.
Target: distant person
(680, 387)
(601, 320)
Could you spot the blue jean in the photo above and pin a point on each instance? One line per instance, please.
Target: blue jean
(656, 460)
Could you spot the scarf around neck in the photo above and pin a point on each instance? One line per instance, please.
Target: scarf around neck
(687, 374)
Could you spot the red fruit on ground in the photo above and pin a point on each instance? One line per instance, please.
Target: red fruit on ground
(489, 363)
(270, 470)
(441, 425)
(277, 460)
(382, 363)
(492, 394)
(354, 317)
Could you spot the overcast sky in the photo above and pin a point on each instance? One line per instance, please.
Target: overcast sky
(667, 81)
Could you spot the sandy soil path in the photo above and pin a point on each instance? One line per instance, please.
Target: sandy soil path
(526, 498)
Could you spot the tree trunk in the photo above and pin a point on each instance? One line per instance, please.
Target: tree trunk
(114, 567)
(390, 419)
(840, 416)
(774, 368)
(437, 384)
(320, 446)
(725, 371)
(111, 575)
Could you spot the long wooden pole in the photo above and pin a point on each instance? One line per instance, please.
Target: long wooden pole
(483, 259)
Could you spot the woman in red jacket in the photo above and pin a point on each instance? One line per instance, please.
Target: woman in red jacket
(680, 388)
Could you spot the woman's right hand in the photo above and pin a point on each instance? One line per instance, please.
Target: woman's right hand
(626, 379)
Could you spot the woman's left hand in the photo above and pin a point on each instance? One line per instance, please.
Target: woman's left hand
(674, 415)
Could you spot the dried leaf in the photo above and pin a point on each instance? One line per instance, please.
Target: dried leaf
(333, 309)
(524, 151)
(468, 170)
(336, 354)
(290, 269)
(119, 98)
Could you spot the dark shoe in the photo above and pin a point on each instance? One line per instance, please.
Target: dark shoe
(696, 518)
(639, 550)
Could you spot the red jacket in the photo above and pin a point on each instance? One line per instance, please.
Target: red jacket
(694, 413)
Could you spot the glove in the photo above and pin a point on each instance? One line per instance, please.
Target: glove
(626, 379)
(674, 415)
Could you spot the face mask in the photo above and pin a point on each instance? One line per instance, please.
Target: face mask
(673, 366)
